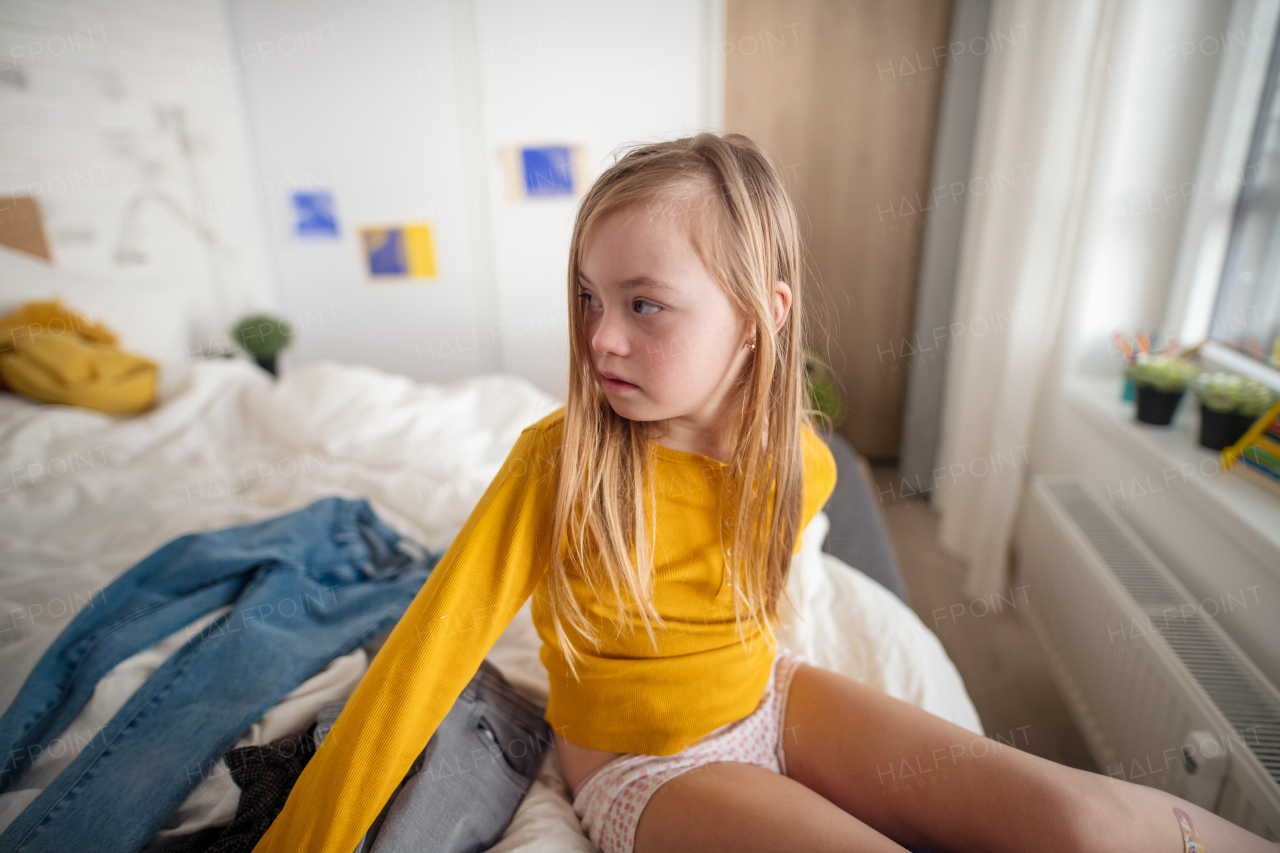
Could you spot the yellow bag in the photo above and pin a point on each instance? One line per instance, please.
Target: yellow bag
(53, 355)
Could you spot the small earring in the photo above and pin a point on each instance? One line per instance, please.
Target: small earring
(751, 345)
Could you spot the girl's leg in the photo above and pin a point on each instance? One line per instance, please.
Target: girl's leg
(923, 781)
(732, 806)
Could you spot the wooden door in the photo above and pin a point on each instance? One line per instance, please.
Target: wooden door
(844, 95)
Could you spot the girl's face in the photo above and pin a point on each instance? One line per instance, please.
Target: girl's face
(666, 342)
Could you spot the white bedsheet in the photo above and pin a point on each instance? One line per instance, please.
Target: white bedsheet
(84, 496)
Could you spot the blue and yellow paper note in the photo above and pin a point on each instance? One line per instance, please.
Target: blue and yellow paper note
(399, 250)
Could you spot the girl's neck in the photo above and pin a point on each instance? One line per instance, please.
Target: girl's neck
(705, 440)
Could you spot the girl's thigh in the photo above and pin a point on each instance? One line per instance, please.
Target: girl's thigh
(921, 780)
(733, 806)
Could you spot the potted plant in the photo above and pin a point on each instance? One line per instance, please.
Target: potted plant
(263, 336)
(823, 393)
(1229, 404)
(1160, 381)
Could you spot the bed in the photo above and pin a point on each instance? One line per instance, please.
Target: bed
(84, 496)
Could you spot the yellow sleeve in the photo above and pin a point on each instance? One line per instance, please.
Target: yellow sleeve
(819, 479)
(484, 578)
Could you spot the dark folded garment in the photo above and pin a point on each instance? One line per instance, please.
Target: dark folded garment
(266, 774)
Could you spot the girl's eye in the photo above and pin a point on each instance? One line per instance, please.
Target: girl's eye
(643, 307)
(588, 298)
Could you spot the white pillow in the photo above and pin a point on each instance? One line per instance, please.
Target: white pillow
(854, 626)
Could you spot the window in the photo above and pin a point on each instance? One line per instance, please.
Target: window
(1246, 313)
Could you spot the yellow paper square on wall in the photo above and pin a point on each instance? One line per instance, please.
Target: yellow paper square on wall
(419, 250)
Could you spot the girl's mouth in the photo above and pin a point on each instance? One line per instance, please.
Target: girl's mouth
(614, 384)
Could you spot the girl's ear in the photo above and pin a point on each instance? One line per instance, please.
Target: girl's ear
(781, 303)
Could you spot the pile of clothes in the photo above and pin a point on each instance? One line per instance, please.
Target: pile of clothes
(51, 354)
(347, 578)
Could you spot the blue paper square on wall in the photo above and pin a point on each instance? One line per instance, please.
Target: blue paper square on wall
(548, 171)
(385, 249)
(313, 214)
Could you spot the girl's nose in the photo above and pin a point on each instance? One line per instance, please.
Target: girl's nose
(609, 336)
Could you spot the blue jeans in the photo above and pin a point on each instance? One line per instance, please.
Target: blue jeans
(463, 789)
(306, 588)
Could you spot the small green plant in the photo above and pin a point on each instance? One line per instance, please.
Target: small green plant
(1255, 400)
(824, 394)
(1170, 375)
(1227, 392)
(262, 335)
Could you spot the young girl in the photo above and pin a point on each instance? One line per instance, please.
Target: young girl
(653, 520)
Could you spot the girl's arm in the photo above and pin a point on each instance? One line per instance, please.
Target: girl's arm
(482, 581)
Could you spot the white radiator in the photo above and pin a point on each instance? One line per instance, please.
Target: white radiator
(1163, 696)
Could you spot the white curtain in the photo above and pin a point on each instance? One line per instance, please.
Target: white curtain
(1042, 96)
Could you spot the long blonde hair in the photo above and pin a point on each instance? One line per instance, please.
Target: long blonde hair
(744, 229)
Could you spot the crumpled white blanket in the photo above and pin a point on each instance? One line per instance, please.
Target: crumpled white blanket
(84, 496)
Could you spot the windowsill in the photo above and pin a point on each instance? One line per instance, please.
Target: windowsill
(1247, 512)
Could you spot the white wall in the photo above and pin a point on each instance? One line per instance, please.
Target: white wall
(405, 114)
(97, 104)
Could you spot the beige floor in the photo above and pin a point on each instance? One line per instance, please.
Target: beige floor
(999, 659)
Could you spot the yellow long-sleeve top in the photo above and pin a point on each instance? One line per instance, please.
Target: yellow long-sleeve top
(630, 698)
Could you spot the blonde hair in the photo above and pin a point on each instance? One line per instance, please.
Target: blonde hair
(744, 229)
